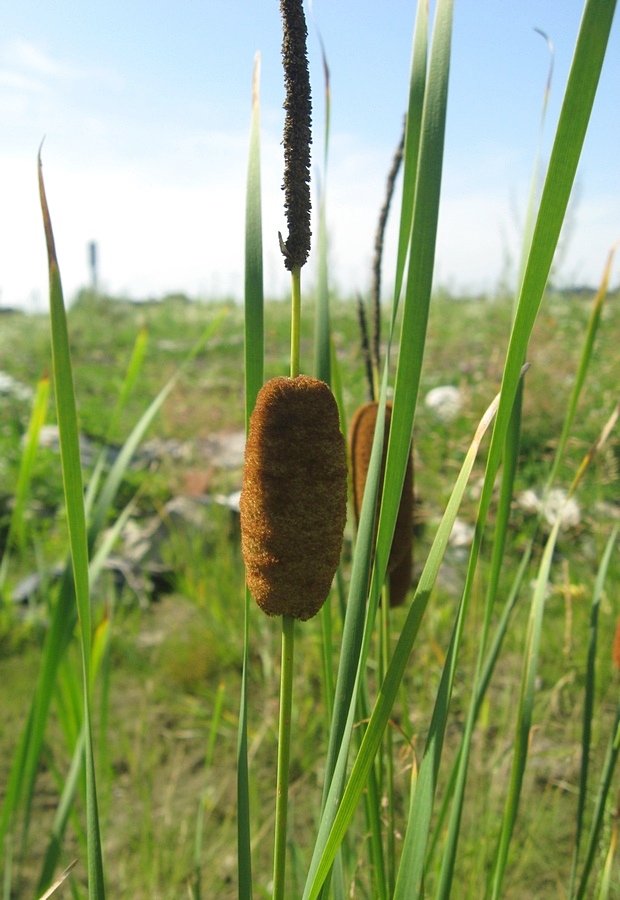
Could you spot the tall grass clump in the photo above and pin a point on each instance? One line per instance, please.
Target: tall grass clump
(381, 439)
(294, 496)
(93, 530)
(400, 764)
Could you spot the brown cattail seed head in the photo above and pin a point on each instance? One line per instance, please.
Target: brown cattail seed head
(297, 133)
(400, 579)
(294, 496)
(401, 552)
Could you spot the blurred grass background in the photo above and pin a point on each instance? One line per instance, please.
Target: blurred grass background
(175, 661)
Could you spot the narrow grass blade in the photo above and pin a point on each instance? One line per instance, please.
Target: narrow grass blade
(37, 420)
(17, 527)
(353, 632)
(104, 548)
(567, 146)
(323, 354)
(605, 886)
(254, 364)
(588, 711)
(528, 682)
(411, 870)
(333, 827)
(456, 782)
(458, 777)
(69, 437)
(530, 215)
(420, 206)
(64, 614)
(76, 517)
(356, 607)
(198, 840)
(410, 876)
(388, 751)
(131, 376)
(216, 718)
(419, 280)
(71, 783)
(60, 881)
(611, 758)
(372, 805)
(109, 490)
(584, 363)
(570, 134)
(525, 709)
(481, 677)
(413, 131)
(69, 701)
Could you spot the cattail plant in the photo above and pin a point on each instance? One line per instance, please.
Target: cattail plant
(408, 873)
(293, 509)
(294, 497)
(294, 493)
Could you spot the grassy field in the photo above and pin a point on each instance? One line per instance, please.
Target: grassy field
(166, 721)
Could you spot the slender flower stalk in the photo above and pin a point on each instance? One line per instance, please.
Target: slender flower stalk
(294, 495)
(295, 320)
(284, 755)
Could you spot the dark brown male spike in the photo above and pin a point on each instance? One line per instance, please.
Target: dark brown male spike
(379, 240)
(297, 134)
(294, 496)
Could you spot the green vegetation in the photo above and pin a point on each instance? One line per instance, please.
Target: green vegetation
(467, 738)
(169, 663)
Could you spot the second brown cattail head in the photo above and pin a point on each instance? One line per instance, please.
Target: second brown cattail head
(297, 134)
(401, 552)
(400, 578)
(294, 496)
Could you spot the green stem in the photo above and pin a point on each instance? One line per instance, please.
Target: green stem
(284, 752)
(389, 750)
(295, 319)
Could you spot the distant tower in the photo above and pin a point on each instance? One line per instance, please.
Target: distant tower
(92, 263)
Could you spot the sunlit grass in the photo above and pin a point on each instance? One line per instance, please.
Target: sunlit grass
(494, 682)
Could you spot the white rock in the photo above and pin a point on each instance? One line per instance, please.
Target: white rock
(12, 387)
(529, 501)
(446, 402)
(567, 509)
(557, 504)
(462, 534)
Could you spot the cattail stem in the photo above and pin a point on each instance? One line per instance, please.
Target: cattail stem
(284, 752)
(388, 787)
(295, 319)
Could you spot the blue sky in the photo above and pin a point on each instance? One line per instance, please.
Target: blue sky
(145, 108)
